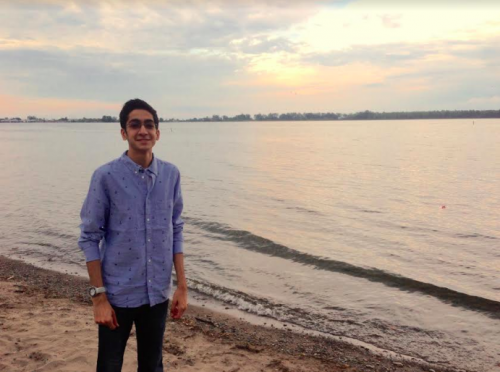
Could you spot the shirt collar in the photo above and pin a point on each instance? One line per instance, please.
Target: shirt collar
(134, 167)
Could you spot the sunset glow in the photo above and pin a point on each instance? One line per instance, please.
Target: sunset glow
(203, 58)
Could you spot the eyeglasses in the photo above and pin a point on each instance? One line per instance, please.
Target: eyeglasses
(136, 125)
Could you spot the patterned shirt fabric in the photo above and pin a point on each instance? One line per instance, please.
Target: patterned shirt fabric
(131, 221)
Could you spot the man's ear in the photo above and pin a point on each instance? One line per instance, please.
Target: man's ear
(157, 134)
(124, 134)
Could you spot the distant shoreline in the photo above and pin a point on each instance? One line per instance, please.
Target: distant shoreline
(293, 116)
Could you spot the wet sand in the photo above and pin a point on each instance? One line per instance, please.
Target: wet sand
(46, 324)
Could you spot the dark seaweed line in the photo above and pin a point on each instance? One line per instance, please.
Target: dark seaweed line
(251, 242)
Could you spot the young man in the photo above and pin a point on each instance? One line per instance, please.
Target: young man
(133, 211)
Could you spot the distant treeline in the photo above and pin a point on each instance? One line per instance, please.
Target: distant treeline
(296, 116)
(362, 115)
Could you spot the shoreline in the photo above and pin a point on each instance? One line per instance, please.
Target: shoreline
(203, 339)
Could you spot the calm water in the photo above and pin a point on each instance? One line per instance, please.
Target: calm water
(387, 232)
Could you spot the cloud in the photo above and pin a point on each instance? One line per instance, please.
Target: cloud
(115, 77)
(263, 44)
(391, 21)
(333, 29)
(12, 105)
(149, 26)
(426, 4)
(394, 54)
(220, 57)
(382, 55)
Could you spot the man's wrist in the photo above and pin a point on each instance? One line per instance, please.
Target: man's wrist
(99, 298)
(182, 287)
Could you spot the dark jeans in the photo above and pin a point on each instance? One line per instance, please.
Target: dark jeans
(150, 328)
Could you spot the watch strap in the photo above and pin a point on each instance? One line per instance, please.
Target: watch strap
(100, 290)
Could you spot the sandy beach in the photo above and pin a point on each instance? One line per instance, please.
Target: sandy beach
(46, 324)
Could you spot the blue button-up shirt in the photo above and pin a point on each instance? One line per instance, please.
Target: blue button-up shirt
(131, 221)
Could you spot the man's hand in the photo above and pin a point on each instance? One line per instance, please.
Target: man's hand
(179, 303)
(103, 312)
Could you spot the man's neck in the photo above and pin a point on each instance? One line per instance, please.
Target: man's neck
(143, 159)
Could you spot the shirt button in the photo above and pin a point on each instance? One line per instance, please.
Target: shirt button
(142, 177)
(147, 220)
(149, 240)
(149, 260)
(149, 280)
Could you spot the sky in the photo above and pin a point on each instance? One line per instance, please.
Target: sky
(194, 58)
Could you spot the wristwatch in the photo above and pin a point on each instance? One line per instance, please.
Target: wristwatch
(94, 291)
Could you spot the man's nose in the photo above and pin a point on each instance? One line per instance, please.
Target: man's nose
(143, 130)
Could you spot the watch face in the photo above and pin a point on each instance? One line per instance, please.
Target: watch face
(92, 292)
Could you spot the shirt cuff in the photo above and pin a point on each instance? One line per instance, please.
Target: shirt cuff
(178, 247)
(91, 252)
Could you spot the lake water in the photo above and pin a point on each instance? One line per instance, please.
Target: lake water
(382, 231)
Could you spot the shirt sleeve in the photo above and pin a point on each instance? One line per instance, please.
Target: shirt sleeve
(177, 222)
(94, 216)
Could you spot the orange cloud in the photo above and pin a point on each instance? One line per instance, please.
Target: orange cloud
(11, 105)
(316, 79)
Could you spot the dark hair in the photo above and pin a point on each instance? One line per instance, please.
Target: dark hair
(136, 104)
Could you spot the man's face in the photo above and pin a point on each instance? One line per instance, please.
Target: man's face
(140, 132)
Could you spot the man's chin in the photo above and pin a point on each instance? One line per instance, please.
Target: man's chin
(143, 147)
